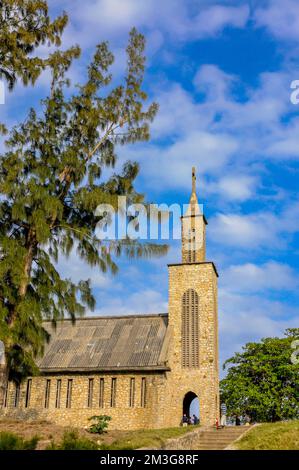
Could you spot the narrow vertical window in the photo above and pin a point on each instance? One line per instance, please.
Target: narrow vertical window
(58, 393)
(17, 395)
(113, 393)
(90, 393)
(5, 404)
(69, 393)
(28, 393)
(143, 392)
(191, 246)
(190, 329)
(47, 393)
(101, 394)
(132, 393)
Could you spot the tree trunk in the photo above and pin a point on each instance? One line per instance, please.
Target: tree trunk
(31, 246)
(4, 367)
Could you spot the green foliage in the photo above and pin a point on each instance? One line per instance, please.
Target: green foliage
(51, 181)
(10, 441)
(100, 424)
(72, 441)
(25, 25)
(262, 382)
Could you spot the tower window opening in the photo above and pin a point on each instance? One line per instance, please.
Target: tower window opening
(190, 329)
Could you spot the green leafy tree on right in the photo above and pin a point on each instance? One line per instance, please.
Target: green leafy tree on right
(262, 381)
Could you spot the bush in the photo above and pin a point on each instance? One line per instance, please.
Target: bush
(100, 425)
(10, 441)
(72, 441)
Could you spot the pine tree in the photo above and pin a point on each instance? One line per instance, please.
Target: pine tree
(50, 185)
(25, 25)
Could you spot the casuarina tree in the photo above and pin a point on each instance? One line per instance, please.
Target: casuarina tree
(51, 182)
(25, 25)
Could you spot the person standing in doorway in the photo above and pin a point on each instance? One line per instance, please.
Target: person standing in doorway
(185, 420)
(223, 414)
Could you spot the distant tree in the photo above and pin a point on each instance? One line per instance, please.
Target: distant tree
(262, 381)
(25, 25)
(50, 185)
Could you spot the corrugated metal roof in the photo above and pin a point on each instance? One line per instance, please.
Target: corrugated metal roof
(107, 343)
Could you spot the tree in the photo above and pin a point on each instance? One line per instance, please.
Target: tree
(50, 185)
(262, 381)
(25, 25)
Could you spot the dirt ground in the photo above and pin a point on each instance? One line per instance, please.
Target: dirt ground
(49, 432)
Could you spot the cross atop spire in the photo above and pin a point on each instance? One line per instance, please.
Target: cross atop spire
(193, 179)
(193, 208)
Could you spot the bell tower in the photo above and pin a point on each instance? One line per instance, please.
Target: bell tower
(193, 319)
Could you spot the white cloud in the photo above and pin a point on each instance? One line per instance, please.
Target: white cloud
(280, 18)
(142, 302)
(236, 187)
(169, 167)
(245, 231)
(249, 277)
(114, 18)
(214, 82)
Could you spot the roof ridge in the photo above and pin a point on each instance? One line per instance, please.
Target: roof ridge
(104, 317)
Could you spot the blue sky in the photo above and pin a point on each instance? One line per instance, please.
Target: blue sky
(221, 72)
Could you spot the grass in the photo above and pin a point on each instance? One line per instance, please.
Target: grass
(271, 436)
(72, 441)
(10, 441)
(153, 438)
(56, 437)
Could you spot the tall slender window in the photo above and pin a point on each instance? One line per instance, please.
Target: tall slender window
(5, 403)
(58, 393)
(113, 393)
(47, 393)
(28, 393)
(132, 393)
(90, 393)
(143, 392)
(69, 393)
(191, 246)
(17, 395)
(190, 327)
(101, 393)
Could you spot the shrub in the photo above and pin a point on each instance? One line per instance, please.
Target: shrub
(72, 441)
(100, 425)
(10, 441)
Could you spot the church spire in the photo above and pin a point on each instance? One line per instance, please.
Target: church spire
(193, 229)
(193, 207)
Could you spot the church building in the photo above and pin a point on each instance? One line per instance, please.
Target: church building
(142, 370)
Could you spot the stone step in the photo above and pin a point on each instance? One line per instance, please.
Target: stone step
(210, 448)
(225, 436)
(222, 441)
(219, 439)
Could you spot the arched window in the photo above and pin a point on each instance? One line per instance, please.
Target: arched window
(190, 327)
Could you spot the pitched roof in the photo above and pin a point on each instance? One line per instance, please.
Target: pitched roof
(107, 343)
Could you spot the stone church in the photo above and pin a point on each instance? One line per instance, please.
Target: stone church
(142, 370)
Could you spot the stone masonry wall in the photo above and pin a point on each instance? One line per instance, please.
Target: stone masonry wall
(123, 416)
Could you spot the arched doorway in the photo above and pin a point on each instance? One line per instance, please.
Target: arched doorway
(191, 404)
